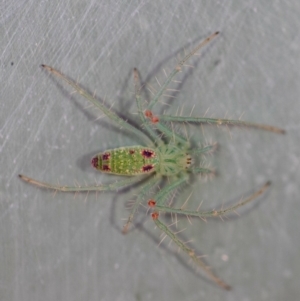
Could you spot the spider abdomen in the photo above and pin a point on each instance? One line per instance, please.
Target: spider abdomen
(127, 161)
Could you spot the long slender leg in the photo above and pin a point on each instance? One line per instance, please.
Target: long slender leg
(206, 149)
(161, 127)
(213, 213)
(158, 207)
(138, 99)
(177, 69)
(105, 187)
(148, 120)
(202, 170)
(218, 121)
(110, 114)
(144, 189)
(162, 195)
(190, 252)
(170, 134)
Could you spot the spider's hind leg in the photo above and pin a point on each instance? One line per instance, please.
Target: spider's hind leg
(101, 187)
(143, 191)
(189, 251)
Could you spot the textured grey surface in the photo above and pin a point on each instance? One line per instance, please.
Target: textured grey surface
(65, 248)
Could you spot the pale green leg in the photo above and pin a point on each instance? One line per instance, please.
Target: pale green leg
(201, 170)
(205, 149)
(141, 195)
(159, 200)
(213, 213)
(178, 69)
(229, 122)
(149, 126)
(170, 134)
(190, 252)
(154, 135)
(158, 207)
(158, 125)
(105, 187)
(162, 195)
(110, 114)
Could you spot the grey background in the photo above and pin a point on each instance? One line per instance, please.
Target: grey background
(61, 247)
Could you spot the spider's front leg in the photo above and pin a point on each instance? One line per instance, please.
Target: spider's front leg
(147, 117)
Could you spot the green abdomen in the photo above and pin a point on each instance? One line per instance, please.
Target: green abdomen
(127, 161)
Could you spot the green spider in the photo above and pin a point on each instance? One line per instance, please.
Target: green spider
(159, 159)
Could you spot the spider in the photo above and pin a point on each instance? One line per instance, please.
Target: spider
(166, 155)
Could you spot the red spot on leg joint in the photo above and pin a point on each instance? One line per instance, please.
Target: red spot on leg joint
(154, 119)
(94, 162)
(151, 203)
(155, 215)
(131, 151)
(148, 114)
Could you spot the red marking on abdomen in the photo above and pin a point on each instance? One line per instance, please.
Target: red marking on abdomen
(94, 162)
(106, 168)
(105, 156)
(148, 153)
(147, 168)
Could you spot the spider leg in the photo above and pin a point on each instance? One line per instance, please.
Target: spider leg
(105, 187)
(148, 122)
(202, 170)
(213, 213)
(178, 69)
(169, 133)
(153, 120)
(144, 189)
(110, 114)
(206, 149)
(158, 207)
(137, 87)
(161, 197)
(157, 204)
(217, 121)
(190, 252)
